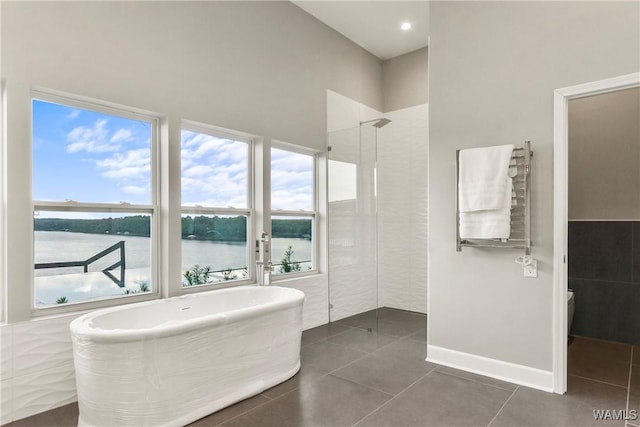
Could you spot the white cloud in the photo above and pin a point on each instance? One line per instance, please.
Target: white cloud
(134, 189)
(132, 164)
(73, 114)
(97, 138)
(218, 189)
(90, 139)
(122, 135)
(291, 180)
(214, 171)
(198, 170)
(291, 201)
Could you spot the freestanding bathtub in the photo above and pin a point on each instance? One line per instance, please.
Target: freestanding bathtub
(173, 361)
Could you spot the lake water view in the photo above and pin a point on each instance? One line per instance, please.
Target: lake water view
(74, 285)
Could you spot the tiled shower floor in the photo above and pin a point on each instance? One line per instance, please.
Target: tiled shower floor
(369, 370)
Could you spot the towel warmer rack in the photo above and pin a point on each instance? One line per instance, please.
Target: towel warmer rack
(520, 236)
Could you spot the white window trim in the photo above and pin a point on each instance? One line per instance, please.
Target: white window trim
(3, 168)
(314, 245)
(152, 209)
(313, 214)
(247, 211)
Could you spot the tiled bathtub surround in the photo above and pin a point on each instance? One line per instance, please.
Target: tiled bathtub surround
(369, 370)
(37, 371)
(37, 367)
(604, 272)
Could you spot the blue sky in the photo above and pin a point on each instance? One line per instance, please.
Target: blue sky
(214, 171)
(93, 157)
(89, 157)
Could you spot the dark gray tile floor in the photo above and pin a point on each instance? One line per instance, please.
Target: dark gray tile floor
(370, 370)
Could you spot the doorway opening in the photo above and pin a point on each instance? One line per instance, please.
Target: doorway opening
(561, 210)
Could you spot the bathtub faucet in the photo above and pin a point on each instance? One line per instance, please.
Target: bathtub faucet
(263, 263)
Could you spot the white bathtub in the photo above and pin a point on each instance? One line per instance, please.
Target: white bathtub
(173, 361)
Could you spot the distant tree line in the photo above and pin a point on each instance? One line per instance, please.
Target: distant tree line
(138, 225)
(223, 229)
(299, 228)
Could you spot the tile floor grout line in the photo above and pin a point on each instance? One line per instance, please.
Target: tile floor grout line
(598, 381)
(451, 374)
(503, 405)
(343, 346)
(242, 413)
(327, 338)
(367, 330)
(350, 363)
(394, 397)
(362, 385)
(361, 351)
(271, 399)
(395, 339)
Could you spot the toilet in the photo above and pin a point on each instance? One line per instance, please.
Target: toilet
(570, 311)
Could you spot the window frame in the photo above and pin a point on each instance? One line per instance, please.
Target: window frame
(313, 214)
(3, 237)
(152, 209)
(248, 211)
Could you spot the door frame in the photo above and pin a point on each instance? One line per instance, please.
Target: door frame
(561, 209)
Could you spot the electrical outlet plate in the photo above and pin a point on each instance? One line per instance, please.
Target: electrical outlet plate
(531, 269)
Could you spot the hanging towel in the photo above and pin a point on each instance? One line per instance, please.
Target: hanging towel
(489, 224)
(482, 178)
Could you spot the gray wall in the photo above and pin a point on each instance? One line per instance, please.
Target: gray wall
(257, 67)
(405, 80)
(493, 69)
(262, 67)
(604, 156)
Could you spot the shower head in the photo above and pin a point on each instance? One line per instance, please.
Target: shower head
(378, 122)
(382, 122)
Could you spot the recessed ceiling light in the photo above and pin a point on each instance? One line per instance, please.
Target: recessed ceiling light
(406, 26)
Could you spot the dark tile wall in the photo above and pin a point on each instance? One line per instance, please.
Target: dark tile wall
(604, 272)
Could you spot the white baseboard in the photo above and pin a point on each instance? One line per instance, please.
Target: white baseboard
(505, 371)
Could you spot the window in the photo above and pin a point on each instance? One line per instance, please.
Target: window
(215, 172)
(94, 197)
(293, 210)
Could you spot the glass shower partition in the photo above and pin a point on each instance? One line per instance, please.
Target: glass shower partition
(353, 275)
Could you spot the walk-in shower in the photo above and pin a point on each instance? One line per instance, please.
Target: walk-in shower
(353, 227)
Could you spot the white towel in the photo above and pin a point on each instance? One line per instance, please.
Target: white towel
(489, 224)
(482, 178)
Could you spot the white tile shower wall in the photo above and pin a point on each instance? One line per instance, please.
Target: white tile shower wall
(316, 296)
(402, 209)
(37, 367)
(352, 224)
(6, 401)
(6, 343)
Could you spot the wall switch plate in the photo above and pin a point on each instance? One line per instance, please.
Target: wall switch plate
(531, 269)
